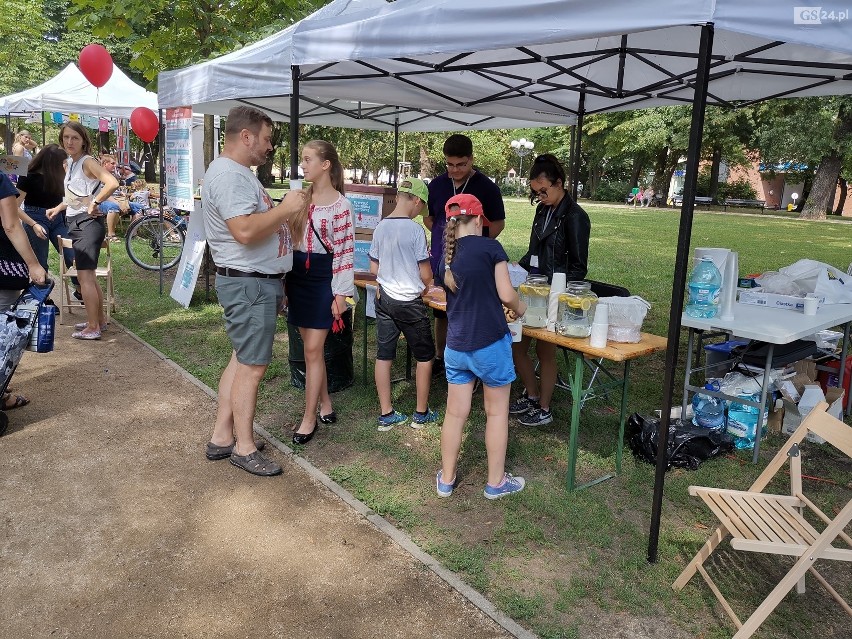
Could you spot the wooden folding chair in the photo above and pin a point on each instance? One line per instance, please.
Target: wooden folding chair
(775, 524)
(67, 304)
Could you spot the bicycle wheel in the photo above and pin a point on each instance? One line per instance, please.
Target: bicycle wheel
(144, 242)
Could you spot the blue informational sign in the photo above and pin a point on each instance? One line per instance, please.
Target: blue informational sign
(362, 257)
(366, 209)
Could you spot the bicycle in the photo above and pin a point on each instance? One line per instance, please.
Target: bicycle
(144, 241)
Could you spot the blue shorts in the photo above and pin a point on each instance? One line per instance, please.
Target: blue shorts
(492, 364)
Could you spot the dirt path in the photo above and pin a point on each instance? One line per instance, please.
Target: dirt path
(115, 525)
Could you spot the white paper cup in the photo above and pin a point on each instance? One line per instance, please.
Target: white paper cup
(295, 185)
(517, 331)
(811, 303)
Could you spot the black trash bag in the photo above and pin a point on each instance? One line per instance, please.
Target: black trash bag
(689, 445)
(339, 365)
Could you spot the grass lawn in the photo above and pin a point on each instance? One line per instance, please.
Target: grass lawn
(563, 564)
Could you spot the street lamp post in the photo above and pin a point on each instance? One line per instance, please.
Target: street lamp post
(522, 148)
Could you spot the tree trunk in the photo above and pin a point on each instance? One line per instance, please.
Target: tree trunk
(103, 142)
(636, 171)
(841, 200)
(209, 133)
(594, 180)
(714, 173)
(427, 167)
(152, 162)
(825, 181)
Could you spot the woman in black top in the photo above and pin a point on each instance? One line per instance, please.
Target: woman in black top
(559, 243)
(40, 190)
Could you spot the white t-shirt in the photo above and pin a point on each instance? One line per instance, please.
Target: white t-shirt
(399, 245)
(231, 189)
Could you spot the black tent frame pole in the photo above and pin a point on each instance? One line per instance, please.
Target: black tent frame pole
(395, 169)
(578, 142)
(162, 149)
(294, 122)
(699, 103)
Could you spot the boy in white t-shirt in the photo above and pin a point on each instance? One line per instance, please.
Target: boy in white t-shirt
(399, 258)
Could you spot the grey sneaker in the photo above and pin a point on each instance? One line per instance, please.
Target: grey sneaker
(536, 417)
(419, 420)
(387, 422)
(522, 405)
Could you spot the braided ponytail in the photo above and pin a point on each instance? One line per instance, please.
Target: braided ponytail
(450, 237)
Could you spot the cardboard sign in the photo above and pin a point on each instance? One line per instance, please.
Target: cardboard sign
(14, 164)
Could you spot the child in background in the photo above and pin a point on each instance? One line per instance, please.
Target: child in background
(140, 197)
(475, 274)
(399, 258)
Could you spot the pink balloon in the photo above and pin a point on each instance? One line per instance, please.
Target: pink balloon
(144, 123)
(96, 64)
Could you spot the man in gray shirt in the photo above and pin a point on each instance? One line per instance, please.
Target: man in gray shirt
(250, 245)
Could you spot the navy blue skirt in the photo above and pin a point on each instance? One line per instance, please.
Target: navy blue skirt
(309, 291)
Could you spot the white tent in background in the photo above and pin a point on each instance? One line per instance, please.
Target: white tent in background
(70, 92)
(260, 75)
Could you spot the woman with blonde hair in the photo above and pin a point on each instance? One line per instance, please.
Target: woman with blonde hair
(24, 145)
(323, 275)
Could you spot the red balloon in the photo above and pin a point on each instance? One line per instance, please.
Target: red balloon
(96, 64)
(144, 123)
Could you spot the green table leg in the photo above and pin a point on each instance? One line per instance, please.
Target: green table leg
(364, 344)
(576, 402)
(623, 419)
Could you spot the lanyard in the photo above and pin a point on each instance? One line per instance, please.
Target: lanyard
(546, 222)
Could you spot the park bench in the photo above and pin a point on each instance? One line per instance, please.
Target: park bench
(677, 200)
(656, 201)
(752, 204)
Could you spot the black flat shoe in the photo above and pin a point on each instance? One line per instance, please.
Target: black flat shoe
(304, 438)
(331, 418)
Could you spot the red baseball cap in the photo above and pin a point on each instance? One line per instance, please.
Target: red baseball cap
(467, 205)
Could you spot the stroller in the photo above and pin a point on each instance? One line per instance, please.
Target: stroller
(16, 330)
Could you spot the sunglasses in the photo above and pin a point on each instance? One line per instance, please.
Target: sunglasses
(542, 192)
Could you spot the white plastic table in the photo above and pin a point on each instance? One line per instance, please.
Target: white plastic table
(773, 326)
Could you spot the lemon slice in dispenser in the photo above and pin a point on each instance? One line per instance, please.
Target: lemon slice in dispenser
(586, 304)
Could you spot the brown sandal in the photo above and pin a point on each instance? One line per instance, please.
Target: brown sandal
(256, 464)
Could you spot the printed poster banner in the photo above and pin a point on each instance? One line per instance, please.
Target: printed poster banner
(366, 209)
(122, 137)
(178, 159)
(190, 262)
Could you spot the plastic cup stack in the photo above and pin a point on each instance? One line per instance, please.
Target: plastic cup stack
(600, 327)
(557, 286)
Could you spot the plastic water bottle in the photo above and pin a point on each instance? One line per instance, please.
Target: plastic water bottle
(709, 411)
(704, 286)
(742, 421)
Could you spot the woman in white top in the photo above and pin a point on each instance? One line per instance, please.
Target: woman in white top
(24, 145)
(323, 275)
(87, 185)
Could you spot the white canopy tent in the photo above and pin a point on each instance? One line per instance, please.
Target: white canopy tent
(260, 75)
(70, 92)
(564, 58)
(537, 58)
